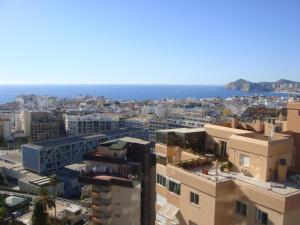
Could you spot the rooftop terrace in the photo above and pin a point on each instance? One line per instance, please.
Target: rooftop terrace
(207, 170)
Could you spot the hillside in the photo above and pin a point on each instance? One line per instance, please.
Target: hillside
(278, 86)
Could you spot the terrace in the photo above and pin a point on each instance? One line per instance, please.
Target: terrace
(220, 171)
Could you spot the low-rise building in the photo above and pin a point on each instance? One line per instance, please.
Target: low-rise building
(49, 156)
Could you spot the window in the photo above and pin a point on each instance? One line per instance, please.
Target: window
(244, 160)
(174, 187)
(161, 160)
(194, 198)
(223, 148)
(261, 217)
(192, 223)
(161, 180)
(241, 208)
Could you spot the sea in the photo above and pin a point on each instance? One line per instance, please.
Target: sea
(8, 93)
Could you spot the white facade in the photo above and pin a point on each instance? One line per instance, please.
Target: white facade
(5, 129)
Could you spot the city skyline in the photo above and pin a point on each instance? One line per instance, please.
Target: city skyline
(170, 42)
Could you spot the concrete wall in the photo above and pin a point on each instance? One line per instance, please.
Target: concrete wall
(31, 158)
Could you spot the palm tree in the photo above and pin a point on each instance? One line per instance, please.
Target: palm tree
(39, 215)
(53, 183)
(45, 199)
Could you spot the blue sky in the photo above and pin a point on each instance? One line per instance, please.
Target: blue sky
(148, 42)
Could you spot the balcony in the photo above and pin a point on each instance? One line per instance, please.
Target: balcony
(105, 195)
(96, 207)
(99, 201)
(106, 220)
(106, 208)
(96, 221)
(95, 194)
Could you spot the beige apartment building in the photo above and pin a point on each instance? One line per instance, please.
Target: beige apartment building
(219, 175)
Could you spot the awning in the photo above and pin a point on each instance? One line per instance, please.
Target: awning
(169, 211)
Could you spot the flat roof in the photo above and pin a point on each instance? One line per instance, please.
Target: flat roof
(64, 141)
(122, 131)
(134, 140)
(287, 189)
(228, 129)
(183, 130)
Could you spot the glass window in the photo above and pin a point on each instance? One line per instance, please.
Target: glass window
(194, 198)
(161, 160)
(241, 208)
(161, 180)
(244, 160)
(174, 187)
(223, 148)
(261, 217)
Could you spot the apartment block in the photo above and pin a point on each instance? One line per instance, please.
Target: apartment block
(219, 175)
(121, 173)
(82, 125)
(42, 126)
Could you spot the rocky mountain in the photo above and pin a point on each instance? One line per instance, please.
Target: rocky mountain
(282, 85)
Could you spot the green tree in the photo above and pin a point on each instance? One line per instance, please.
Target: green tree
(2, 200)
(53, 183)
(39, 215)
(3, 214)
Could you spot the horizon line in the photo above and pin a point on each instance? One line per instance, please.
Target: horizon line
(136, 84)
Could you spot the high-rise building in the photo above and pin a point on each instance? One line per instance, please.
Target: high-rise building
(121, 173)
(225, 176)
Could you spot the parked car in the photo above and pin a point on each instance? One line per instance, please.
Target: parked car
(16, 214)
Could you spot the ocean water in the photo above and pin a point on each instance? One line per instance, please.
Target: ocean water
(124, 92)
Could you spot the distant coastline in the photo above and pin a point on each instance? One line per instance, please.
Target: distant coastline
(8, 93)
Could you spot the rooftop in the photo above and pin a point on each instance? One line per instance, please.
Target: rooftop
(182, 130)
(14, 200)
(64, 141)
(134, 140)
(106, 180)
(209, 172)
